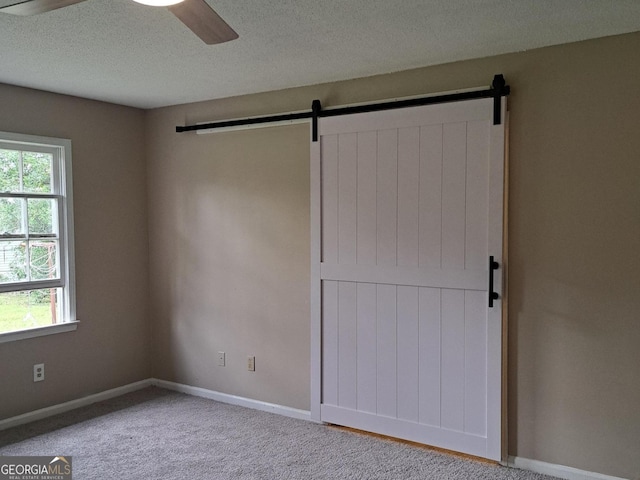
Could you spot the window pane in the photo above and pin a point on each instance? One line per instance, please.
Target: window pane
(9, 171)
(11, 216)
(13, 262)
(28, 309)
(36, 172)
(41, 216)
(44, 262)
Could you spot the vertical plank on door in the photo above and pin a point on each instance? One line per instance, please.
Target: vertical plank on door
(386, 350)
(429, 356)
(330, 342)
(347, 345)
(347, 197)
(453, 195)
(452, 401)
(366, 228)
(387, 197)
(431, 196)
(408, 196)
(408, 353)
(477, 202)
(366, 347)
(475, 358)
(329, 172)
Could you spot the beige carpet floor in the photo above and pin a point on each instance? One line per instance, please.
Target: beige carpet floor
(159, 434)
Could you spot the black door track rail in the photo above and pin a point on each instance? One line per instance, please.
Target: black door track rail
(498, 89)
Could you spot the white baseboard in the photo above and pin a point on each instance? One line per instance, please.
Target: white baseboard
(66, 406)
(234, 400)
(132, 387)
(560, 471)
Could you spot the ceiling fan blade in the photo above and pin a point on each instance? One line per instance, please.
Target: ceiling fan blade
(203, 21)
(33, 7)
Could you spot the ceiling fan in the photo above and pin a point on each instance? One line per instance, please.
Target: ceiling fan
(197, 15)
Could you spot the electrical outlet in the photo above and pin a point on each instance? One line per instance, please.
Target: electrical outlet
(251, 363)
(221, 359)
(38, 372)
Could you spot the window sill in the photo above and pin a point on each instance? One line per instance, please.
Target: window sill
(38, 331)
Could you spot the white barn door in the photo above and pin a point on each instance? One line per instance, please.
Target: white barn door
(407, 207)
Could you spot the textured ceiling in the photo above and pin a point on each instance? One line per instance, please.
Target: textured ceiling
(122, 52)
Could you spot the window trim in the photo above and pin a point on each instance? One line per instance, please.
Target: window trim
(38, 331)
(66, 234)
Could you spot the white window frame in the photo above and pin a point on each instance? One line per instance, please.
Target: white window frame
(62, 172)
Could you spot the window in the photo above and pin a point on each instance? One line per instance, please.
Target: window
(37, 286)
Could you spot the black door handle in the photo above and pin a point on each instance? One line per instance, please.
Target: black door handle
(493, 265)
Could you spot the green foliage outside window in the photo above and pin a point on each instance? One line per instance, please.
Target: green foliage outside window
(27, 172)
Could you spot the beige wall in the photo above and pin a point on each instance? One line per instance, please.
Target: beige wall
(228, 217)
(229, 235)
(228, 243)
(111, 345)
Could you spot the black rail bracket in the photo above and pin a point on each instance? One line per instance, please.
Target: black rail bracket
(500, 89)
(316, 107)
